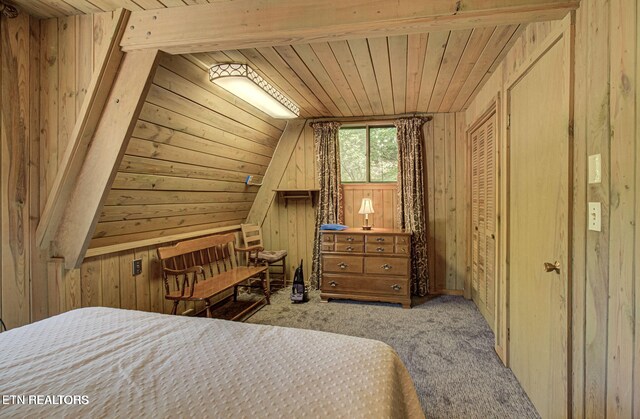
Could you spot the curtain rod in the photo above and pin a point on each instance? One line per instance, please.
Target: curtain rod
(352, 119)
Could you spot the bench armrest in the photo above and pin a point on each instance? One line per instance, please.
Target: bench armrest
(195, 270)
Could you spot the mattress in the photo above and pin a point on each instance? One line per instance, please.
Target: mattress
(103, 362)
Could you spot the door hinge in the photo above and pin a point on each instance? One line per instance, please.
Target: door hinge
(508, 121)
(508, 334)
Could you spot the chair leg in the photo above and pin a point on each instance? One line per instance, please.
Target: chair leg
(268, 277)
(235, 294)
(208, 308)
(284, 272)
(174, 310)
(265, 286)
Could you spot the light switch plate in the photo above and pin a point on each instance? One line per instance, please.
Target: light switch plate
(595, 168)
(594, 216)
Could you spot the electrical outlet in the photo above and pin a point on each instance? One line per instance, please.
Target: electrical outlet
(136, 267)
(595, 210)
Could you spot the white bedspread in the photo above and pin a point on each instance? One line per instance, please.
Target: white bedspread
(137, 364)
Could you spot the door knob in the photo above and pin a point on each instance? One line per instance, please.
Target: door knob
(550, 267)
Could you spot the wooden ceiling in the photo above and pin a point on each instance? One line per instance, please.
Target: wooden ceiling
(434, 72)
(430, 72)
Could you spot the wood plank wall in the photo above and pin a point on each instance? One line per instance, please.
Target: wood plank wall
(446, 201)
(164, 186)
(384, 199)
(292, 227)
(69, 48)
(107, 281)
(186, 164)
(606, 277)
(606, 281)
(19, 155)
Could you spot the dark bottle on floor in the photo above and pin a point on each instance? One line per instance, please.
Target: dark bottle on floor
(298, 291)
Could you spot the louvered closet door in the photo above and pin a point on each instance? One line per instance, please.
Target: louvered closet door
(483, 158)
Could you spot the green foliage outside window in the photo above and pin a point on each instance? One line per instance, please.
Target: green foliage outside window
(368, 154)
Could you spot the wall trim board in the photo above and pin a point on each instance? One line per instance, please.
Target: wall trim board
(98, 251)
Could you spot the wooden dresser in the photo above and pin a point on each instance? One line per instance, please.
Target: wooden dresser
(364, 265)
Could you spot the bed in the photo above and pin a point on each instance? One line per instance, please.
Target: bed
(122, 363)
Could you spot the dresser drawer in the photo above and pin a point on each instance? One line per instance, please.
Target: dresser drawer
(339, 263)
(350, 238)
(327, 247)
(387, 266)
(328, 237)
(406, 240)
(369, 285)
(379, 248)
(379, 239)
(403, 249)
(349, 247)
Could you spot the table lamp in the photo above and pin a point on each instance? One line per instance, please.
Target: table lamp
(366, 208)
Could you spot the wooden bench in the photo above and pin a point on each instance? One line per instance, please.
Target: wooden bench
(202, 268)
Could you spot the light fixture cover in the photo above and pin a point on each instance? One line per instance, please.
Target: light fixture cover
(366, 207)
(249, 86)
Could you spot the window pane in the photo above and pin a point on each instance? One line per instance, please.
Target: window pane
(384, 154)
(353, 154)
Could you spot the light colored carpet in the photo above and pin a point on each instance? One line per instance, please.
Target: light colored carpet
(445, 343)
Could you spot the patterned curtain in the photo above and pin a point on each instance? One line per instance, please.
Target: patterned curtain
(329, 205)
(411, 211)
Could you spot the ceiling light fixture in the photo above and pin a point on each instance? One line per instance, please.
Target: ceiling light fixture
(245, 83)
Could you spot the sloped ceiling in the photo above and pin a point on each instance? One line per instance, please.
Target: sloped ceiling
(186, 164)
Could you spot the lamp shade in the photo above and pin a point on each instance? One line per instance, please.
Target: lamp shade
(249, 86)
(366, 207)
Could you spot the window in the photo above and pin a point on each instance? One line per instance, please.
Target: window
(368, 154)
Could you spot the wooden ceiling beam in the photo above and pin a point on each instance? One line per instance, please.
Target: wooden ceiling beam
(260, 23)
(101, 162)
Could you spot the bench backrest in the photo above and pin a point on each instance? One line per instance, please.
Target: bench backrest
(214, 253)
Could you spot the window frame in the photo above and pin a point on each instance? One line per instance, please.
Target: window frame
(367, 127)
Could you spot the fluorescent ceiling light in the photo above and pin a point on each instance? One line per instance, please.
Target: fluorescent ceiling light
(242, 81)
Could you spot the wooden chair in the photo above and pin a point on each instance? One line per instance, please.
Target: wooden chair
(252, 236)
(205, 267)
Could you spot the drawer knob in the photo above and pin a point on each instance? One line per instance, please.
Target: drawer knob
(349, 239)
(349, 248)
(396, 287)
(342, 265)
(380, 239)
(386, 266)
(380, 249)
(333, 283)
